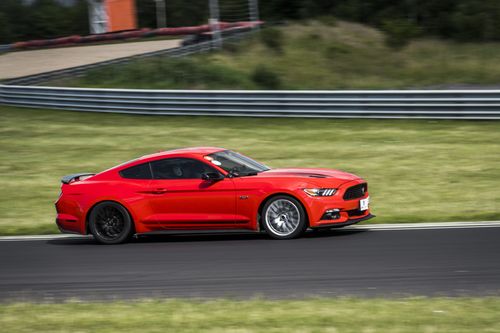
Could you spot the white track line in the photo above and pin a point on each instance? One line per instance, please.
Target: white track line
(428, 225)
(371, 227)
(39, 237)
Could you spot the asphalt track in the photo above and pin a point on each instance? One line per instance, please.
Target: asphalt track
(347, 262)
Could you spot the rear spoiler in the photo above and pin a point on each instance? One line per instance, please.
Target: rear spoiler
(75, 177)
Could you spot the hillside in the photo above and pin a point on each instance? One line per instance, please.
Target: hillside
(324, 54)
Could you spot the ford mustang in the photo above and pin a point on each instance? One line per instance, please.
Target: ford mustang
(207, 188)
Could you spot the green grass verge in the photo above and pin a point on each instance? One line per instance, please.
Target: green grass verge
(417, 170)
(311, 55)
(317, 315)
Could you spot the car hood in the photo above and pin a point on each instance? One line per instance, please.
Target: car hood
(311, 173)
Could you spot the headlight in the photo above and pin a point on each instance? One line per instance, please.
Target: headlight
(320, 192)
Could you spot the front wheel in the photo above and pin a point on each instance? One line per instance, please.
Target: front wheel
(110, 223)
(284, 217)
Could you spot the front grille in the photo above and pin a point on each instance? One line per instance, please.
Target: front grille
(357, 191)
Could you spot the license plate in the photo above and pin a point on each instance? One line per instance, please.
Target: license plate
(364, 203)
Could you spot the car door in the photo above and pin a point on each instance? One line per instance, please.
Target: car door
(183, 200)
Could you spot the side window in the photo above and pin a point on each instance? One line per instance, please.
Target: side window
(179, 168)
(141, 171)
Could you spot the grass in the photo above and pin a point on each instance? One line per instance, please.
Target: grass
(312, 55)
(316, 315)
(417, 170)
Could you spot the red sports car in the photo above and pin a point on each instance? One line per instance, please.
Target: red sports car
(207, 189)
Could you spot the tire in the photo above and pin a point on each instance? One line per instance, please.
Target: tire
(110, 223)
(283, 217)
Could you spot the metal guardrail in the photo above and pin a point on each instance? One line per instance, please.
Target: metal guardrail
(419, 104)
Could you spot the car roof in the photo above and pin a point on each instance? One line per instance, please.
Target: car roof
(191, 150)
(201, 151)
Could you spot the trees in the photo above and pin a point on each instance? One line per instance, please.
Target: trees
(467, 20)
(41, 19)
(12, 20)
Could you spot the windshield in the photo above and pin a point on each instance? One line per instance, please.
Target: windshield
(236, 164)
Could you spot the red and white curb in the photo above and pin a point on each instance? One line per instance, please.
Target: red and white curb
(370, 227)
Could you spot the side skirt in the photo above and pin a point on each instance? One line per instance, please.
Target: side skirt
(198, 232)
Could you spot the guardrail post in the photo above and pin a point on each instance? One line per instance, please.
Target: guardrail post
(253, 6)
(214, 22)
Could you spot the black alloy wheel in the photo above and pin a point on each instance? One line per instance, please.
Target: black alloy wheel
(110, 223)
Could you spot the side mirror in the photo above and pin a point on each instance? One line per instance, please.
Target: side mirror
(212, 176)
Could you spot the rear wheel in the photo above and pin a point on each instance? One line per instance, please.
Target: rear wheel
(284, 217)
(110, 223)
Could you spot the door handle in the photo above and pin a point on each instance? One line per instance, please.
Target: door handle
(155, 191)
(159, 191)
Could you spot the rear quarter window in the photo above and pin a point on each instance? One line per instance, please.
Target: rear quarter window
(141, 171)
